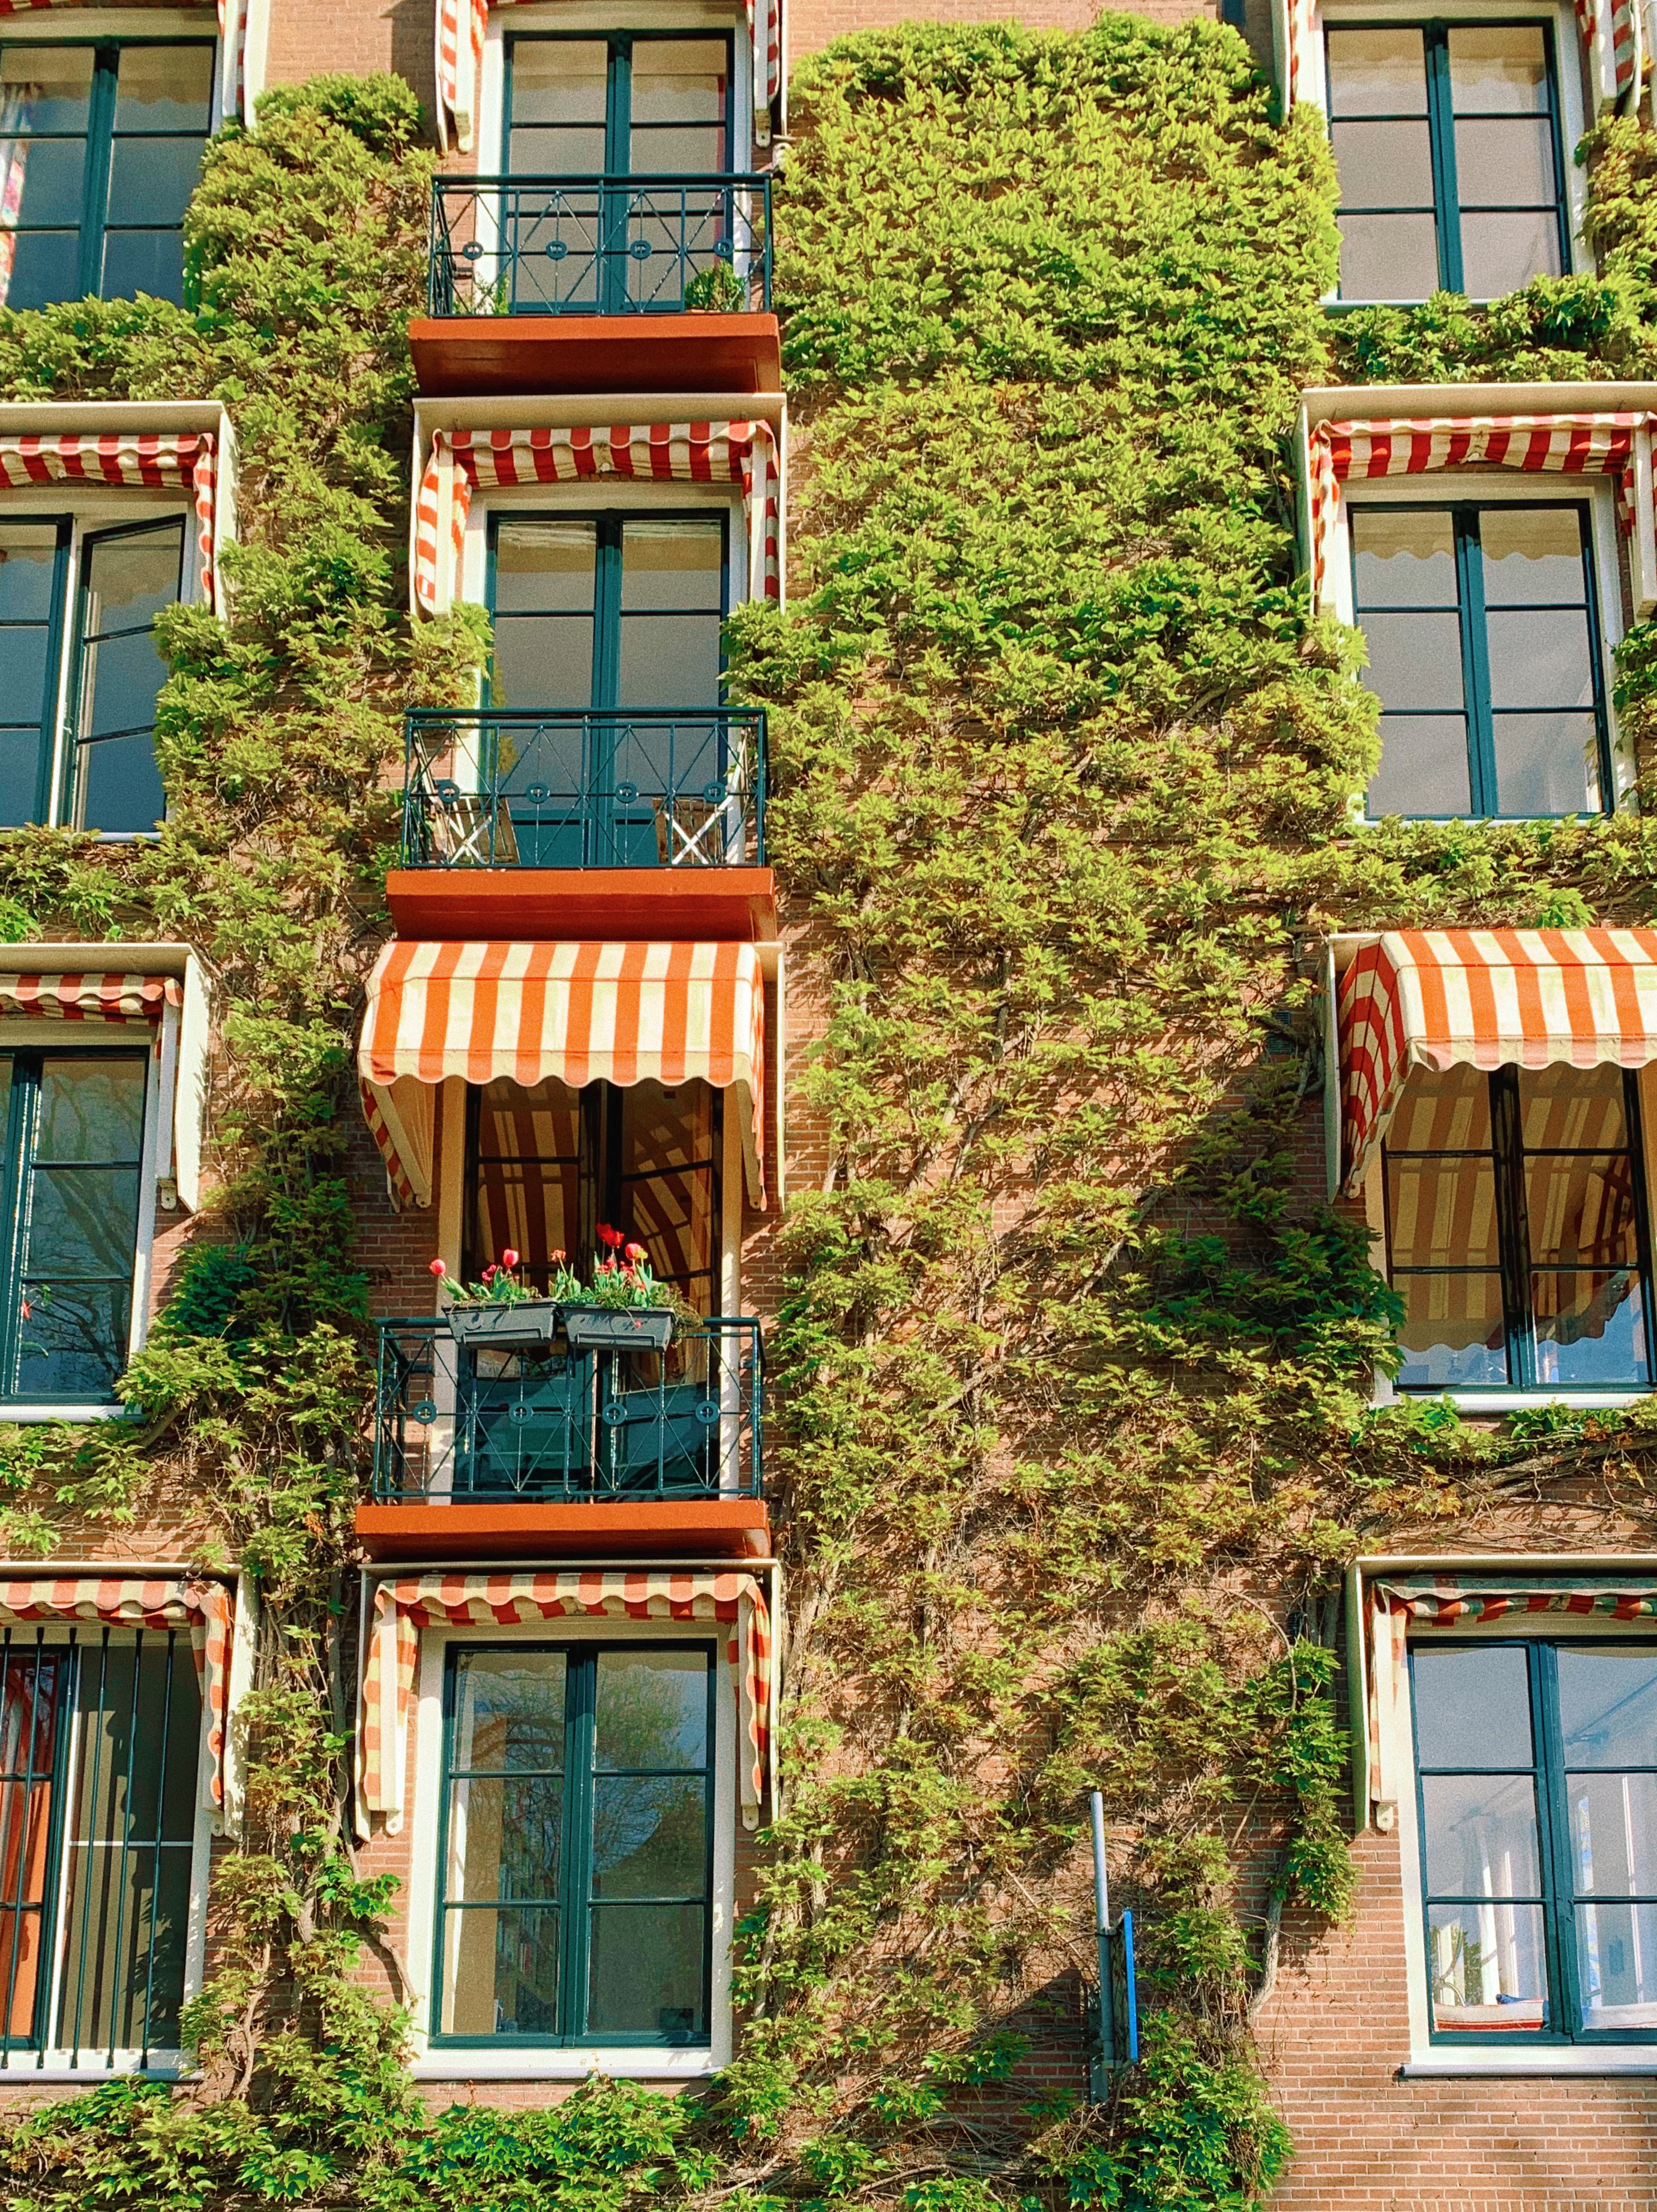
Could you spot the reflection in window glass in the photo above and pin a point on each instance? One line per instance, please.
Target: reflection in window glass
(127, 576)
(34, 557)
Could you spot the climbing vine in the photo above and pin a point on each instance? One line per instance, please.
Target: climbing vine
(1071, 1382)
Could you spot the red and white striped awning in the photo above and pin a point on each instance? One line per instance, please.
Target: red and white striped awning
(1550, 445)
(131, 999)
(624, 1013)
(202, 1607)
(459, 65)
(1612, 44)
(401, 1609)
(1485, 998)
(744, 454)
(155, 460)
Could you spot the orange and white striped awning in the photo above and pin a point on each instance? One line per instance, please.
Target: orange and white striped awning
(1485, 998)
(734, 1598)
(74, 998)
(157, 1603)
(580, 1013)
(460, 462)
(155, 460)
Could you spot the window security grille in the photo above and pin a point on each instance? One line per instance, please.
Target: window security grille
(99, 1741)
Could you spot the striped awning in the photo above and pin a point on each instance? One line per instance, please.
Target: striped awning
(579, 1013)
(180, 1602)
(459, 64)
(160, 461)
(744, 454)
(87, 997)
(1485, 998)
(1551, 445)
(1468, 1598)
(484, 1601)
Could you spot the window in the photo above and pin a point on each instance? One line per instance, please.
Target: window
(99, 1737)
(101, 147)
(1536, 1767)
(1516, 1229)
(576, 1847)
(549, 1163)
(68, 1220)
(630, 105)
(1483, 630)
(1447, 143)
(107, 780)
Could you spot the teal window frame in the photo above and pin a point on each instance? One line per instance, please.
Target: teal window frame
(618, 100)
(572, 1895)
(71, 805)
(1558, 1896)
(1448, 209)
(95, 227)
(18, 1273)
(42, 808)
(1470, 614)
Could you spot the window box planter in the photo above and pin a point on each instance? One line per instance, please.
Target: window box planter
(618, 1328)
(504, 1328)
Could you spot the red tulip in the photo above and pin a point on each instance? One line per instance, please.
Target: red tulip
(556, 1258)
(637, 1252)
(488, 1274)
(609, 1236)
(509, 1258)
(438, 1267)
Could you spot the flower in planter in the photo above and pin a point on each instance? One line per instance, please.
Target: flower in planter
(498, 1284)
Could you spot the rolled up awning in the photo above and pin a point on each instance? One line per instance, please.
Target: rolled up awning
(1485, 998)
(580, 1013)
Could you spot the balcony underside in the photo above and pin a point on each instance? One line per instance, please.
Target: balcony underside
(722, 1527)
(657, 905)
(463, 355)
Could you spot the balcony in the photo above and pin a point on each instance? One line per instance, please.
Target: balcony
(597, 284)
(495, 1451)
(648, 824)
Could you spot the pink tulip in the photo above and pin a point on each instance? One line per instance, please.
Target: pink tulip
(636, 1253)
(509, 1258)
(438, 1267)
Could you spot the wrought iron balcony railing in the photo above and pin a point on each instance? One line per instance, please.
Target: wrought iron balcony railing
(459, 1422)
(660, 788)
(600, 245)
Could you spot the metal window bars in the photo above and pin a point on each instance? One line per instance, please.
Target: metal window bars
(600, 245)
(99, 1740)
(459, 1422)
(673, 788)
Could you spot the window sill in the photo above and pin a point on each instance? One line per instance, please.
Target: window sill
(23, 1415)
(628, 2062)
(19, 2066)
(1611, 2059)
(1514, 1402)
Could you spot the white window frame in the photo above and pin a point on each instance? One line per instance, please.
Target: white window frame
(628, 2061)
(1428, 2058)
(1569, 62)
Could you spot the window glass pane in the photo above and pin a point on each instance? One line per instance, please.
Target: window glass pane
(1616, 1964)
(91, 1110)
(1452, 1333)
(28, 671)
(1480, 1835)
(150, 179)
(678, 80)
(668, 660)
(545, 581)
(129, 579)
(542, 661)
(1547, 764)
(20, 775)
(559, 80)
(1382, 72)
(1608, 1718)
(1613, 1819)
(23, 667)
(149, 261)
(649, 1837)
(506, 1839)
(1504, 165)
(1388, 257)
(1384, 165)
(1414, 659)
(45, 88)
(1499, 253)
(673, 566)
(1540, 657)
(82, 1224)
(679, 150)
(1572, 1109)
(1473, 1706)
(563, 153)
(1487, 1968)
(1532, 556)
(509, 1711)
(651, 1710)
(1498, 69)
(47, 179)
(28, 564)
(545, 567)
(1580, 1212)
(647, 1971)
(670, 1181)
(1423, 767)
(1590, 1329)
(1402, 558)
(72, 1341)
(119, 786)
(123, 677)
(1447, 1113)
(500, 1972)
(1442, 1213)
(45, 267)
(527, 1194)
(165, 89)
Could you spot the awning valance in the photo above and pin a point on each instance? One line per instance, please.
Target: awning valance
(401, 1609)
(155, 1603)
(580, 1013)
(106, 998)
(173, 460)
(1485, 998)
(744, 454)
